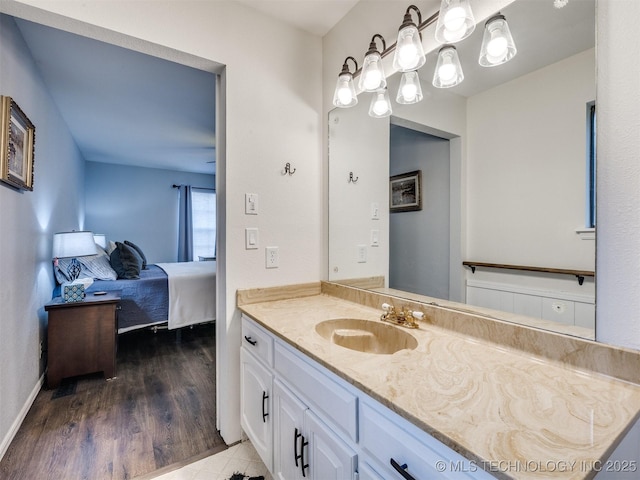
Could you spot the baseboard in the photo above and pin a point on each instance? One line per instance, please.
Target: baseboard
(6, 441)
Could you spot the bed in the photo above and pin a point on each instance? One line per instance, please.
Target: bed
(176, 294)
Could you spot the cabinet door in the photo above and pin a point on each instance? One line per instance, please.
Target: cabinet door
(288, 412)
(255, 405)
(327, 456)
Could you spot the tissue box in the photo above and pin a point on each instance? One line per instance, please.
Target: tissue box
(73, 292)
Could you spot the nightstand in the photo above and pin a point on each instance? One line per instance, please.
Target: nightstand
(82, 337)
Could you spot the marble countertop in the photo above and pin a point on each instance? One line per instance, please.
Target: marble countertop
(517, 415)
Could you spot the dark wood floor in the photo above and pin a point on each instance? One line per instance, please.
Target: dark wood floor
(159, 410)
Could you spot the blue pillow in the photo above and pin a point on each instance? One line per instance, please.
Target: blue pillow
(139, 250)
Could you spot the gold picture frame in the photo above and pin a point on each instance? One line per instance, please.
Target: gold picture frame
(17, 146)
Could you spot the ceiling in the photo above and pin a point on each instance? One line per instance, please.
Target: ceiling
(126, 107)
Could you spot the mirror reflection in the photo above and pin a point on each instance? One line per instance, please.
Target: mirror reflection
(504, 160)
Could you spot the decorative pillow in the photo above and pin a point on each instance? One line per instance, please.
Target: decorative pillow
(111, 246)
(99, 267)
(126, 262)
(139, 250)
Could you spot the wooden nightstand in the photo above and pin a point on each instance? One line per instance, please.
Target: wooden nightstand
(82, 337)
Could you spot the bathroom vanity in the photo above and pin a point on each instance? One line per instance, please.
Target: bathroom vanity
(470, 397)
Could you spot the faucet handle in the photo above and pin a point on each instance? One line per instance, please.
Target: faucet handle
(386, 307)
(418, 315)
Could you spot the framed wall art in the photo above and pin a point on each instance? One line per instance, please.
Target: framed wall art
(405, 192)
(17, 146)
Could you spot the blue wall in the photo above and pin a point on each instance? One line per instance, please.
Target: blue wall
(138, 204)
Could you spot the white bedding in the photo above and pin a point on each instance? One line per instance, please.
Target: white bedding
(192, 292)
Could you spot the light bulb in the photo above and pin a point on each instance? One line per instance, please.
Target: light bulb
(454, 19)
(497, 43)
(447, 72)
(497, 49)
(344, 95)
(380, 106)
(409, 92)
(407, 53)
(372, 80)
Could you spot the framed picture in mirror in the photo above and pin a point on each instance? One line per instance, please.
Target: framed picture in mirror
(405, 192)
(16, 146)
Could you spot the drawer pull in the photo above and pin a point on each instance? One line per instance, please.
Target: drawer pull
(264, 414)
(303, 465)
(250, 340)
(402, 470)
(296, 434)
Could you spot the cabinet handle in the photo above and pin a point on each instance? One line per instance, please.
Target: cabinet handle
(303, 465)
(264, 414)
(296, 434)
(250, 340)
(402, 469)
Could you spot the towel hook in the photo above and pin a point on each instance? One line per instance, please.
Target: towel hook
(287, 169)
(352, 179)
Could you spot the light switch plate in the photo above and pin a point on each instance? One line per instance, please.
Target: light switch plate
(375, 211)
(375, 238)
(362, 254)
(251, 238)
(251, 203)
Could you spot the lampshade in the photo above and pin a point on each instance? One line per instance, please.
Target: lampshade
(409, 54)
(345, 93)
(100, 239)
(497, 43)
(73, 244)
(410, 90)
(380, 106)
(372, 76)
(448, 71)
(455, 21)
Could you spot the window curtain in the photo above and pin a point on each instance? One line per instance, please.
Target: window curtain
(185, 226)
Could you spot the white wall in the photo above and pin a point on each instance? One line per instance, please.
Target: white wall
(526, 168)
(138, 204)
(272, 83)
(618, 214)
(29, 220)
(419, 240)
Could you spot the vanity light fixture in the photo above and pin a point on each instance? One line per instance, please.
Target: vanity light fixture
(380, 106)
(409, 54)
(448, 71)
(372, 76)
(497, 43)
(409, 90)
(455, 21)
(345, 94)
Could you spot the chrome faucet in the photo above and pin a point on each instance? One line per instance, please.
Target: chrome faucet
(404, 318)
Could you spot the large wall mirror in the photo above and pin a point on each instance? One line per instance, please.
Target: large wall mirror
(504, 161)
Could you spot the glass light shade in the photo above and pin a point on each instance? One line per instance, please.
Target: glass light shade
(372, 76)
(409, 54)
(100, 239)
(345, 94)
(73, 244)
(497, 43)
(448, 71)
(455, 21)
(409, 90)
(380, 106)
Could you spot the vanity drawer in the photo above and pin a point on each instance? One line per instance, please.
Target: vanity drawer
(384, 436)
(257, 340)
(319, 391)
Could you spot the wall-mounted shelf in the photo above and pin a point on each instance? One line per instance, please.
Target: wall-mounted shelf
(579, 274)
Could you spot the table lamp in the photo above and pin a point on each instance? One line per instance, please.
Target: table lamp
(72, 245)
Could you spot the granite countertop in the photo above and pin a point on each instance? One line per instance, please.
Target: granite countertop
(516, 414)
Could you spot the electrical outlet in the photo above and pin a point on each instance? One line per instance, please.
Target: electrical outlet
(272, 257)
(362, 254)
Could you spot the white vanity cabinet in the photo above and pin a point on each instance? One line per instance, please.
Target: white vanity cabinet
(323, 428)
(256, 383)
(304, 446)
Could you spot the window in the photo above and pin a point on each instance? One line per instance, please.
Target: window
(591, 167)
(203, 210)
